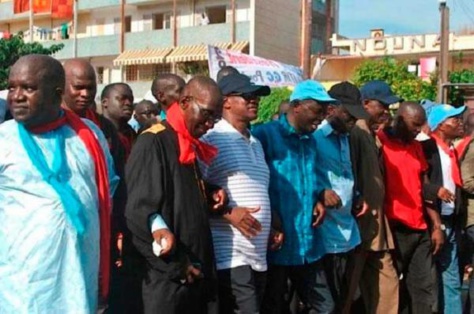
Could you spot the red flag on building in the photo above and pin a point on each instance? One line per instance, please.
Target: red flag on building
(20, 6)
(62, 9)
(39, 6)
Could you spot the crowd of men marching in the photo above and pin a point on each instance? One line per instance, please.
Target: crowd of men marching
(185, 206)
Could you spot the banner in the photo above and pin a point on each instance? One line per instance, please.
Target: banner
(62, 9)
(261, 71)
(39, 6)
(427, 66)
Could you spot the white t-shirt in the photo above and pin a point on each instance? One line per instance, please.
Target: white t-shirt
(240, 169)
(448, 182)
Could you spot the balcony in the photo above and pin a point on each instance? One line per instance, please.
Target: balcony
(212, 33)
(149, 39)
(95, 4)
(87, 47)
(109, 45)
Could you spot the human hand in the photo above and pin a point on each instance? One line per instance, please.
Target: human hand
(362, 209)
(192, 273)
(445, 195)
(319, 212)
(329, 198)
(167, 245)
(219, 199)
(119, 243)
(276, 239)
(437, 240)
(242, 219)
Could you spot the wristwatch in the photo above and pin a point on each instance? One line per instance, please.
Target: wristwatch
(441, 227)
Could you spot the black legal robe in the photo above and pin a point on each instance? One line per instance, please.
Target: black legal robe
(158, 184)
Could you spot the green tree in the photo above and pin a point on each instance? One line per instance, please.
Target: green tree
(13, 48)
(269, 105)
(456, 95)
(404, 83)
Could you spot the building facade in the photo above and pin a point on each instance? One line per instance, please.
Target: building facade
(134, 40)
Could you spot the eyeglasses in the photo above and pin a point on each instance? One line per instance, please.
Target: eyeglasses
(209, 115)
(247, 96)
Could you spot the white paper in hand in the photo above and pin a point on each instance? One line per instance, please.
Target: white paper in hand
(158, 247)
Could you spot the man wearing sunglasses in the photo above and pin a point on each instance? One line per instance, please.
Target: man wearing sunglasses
(168, 211)
(290, 152)
(241, 235)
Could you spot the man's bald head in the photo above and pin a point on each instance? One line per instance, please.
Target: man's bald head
(166, 89)
(410, 119)
(35, 87)
(81, 85)
(201, 102)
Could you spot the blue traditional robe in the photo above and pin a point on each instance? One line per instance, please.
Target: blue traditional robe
(45, 266)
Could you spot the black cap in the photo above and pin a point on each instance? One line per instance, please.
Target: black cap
(349, 97)
(381, 91)
(241, 84)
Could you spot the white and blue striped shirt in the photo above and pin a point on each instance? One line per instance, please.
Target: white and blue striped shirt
(240, 169)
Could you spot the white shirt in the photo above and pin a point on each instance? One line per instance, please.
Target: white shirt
(448, 182)
(240, 169)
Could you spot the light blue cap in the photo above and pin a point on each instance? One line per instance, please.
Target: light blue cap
(440, 113)
(311, 89)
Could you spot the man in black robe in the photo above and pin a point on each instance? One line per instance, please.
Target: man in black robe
(168, 204)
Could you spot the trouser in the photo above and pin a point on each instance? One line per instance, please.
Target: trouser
(470, 238)
(336, 268)
(309, 282)
(241, 290)
(414, 260)
(375, 274)
(447, 263)
(161, 295)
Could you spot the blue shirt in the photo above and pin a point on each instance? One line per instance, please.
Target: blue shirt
(291, 158)
(339, 230)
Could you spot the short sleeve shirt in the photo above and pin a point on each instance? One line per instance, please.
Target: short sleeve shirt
(404, 165)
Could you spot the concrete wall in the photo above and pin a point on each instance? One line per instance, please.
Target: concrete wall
(277, 30)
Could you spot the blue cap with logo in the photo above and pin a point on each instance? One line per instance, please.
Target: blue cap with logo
(441, 113)
(311, 89)
(379, 90)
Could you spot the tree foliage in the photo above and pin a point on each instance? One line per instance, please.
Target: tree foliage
(396, 74)
(456, 95)
(269, 105)
(13, 48)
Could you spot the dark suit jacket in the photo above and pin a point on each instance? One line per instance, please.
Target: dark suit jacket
(435, 175)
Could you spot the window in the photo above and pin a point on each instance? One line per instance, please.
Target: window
(131, 73)
(162, 20)
(100, 75)
(128, 24)
(216, 15)
(167, 18)
(146, 72)
(117, 25)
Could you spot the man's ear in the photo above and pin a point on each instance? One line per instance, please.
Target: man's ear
(330, 110)
(184, 102)
(225, 103)
(365, 103)
(103, 102)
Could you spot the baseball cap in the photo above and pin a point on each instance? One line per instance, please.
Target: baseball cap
(311, 89)
(441, 112)
(381, 91)
(428, 105)
(238, 83)
(349, 97)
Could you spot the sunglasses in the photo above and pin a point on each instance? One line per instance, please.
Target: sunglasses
(246, 96)
(209, 115)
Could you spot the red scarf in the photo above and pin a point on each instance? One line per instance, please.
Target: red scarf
(462, 146)
(89, 139)
(453, 156)
(127, 142)
(188, 145)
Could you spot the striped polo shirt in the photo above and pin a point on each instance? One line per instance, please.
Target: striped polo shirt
(240, 169)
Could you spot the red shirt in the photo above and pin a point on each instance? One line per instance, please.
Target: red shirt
(404, 166)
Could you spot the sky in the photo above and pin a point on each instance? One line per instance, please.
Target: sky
(400, 17)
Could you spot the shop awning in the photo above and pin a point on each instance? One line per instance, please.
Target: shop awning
(240, 46)
(192, 53)
(142, 56)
